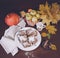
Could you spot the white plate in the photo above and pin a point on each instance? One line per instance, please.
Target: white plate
(31, 47)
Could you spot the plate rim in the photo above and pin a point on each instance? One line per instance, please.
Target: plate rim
(29, 48)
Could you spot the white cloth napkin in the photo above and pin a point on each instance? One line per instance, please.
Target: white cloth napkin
(15, 50)
(22, 23)
(8, 45)
(8, 39)
(11, 31)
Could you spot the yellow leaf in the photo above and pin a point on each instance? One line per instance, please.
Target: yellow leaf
(51, 29)
(41, 7)
(53, 47)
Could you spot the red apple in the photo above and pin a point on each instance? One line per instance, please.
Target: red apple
(12, 19)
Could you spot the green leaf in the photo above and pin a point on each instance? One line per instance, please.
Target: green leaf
(48, 35)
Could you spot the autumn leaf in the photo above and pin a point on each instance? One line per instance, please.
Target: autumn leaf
(51, 29)
(41, 7)
(53, 46)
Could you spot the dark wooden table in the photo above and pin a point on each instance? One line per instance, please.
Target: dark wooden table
(7, 6)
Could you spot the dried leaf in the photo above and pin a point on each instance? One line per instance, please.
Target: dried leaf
(53, 46)
(41, 7)
(51, 29)
(47, 6)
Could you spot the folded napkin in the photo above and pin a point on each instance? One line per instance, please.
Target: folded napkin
(14, 51)
(22, 23)
(8, 39)
(11, 31)
(9, 45)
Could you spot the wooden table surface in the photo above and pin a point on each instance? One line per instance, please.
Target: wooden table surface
(7, 6)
